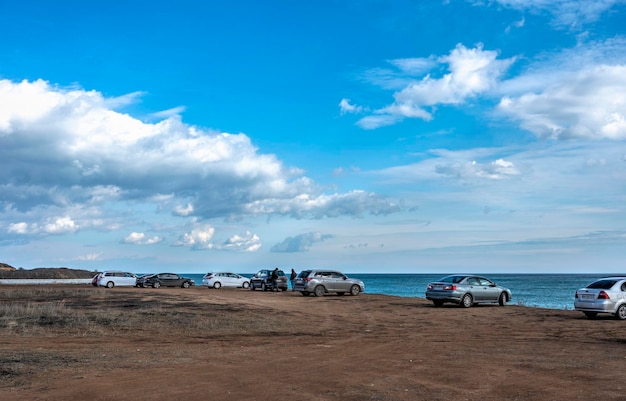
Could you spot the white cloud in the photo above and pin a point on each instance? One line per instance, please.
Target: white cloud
(198, 238)
(245, 243)
(103, 157)
(136, 238)
(345, 107)
(55, 225)
(588, 104)
(471, 72)
(496, 170)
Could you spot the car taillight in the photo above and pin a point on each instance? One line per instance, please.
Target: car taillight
(429, 287)
(308, 279)
(603, 295)
(450, 287)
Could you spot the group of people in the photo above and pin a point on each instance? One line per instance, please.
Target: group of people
(274, 279)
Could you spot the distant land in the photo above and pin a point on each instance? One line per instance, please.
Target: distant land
(9, 272)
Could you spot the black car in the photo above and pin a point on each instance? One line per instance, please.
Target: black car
(167, 280)
(263, 280)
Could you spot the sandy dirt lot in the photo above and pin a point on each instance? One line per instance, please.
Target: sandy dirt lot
(205, 344)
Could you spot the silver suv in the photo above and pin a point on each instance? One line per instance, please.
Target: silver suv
(320, 282)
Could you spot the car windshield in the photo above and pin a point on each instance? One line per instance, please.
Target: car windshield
(602, 284)
(261, 273)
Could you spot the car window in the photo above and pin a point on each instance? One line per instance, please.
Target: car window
(602, 284)
(337, 275)
(484, 281)
(304, 274)
(452, 279)
(473, 281)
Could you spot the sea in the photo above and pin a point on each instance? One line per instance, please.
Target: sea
(549, 291)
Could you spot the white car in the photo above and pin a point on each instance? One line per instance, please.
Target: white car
(225, 279)
(606, 295)
(111, 279)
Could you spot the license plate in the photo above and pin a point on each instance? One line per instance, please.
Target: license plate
(587, 296)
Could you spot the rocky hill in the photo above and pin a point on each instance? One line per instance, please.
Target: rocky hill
(9, 272)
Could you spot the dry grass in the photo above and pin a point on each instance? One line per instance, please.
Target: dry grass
(94, 311)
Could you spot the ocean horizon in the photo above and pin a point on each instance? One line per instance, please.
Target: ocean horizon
(549, 291)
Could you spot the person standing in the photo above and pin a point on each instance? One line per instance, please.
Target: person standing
(275, 279)
(292, 278)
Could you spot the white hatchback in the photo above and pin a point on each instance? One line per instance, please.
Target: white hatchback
(111, 279)
(225, 279)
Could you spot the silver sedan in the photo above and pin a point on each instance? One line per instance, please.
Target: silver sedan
(606, 295)
(466, 290)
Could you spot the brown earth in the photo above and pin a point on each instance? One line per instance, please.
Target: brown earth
(201, 344)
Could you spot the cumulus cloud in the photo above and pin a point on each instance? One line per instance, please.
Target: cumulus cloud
(101, 156)
(300, 243)
(55, 225)
(471, 72)
(136, 238)
(245, 243)
(589, 104)
(198, 238)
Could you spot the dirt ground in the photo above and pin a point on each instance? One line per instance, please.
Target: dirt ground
(283, 346)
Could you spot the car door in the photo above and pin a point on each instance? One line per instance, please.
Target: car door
(489, 290)
(340, 282)
(475, 288)
(130, 279)
(230, 280)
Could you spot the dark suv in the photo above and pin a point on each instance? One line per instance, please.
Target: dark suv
(167, 280)
(263, 280)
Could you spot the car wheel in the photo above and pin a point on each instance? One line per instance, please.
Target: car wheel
(320, 291)
(185, 284)
(110, 284)
(591, 315)
(438, 303)
(245, 285)
(355, 290)
(502, 300)
(621, 312)
(217, 285)
(263, 287)
(467, 301)
(252, 287)
(156, 284)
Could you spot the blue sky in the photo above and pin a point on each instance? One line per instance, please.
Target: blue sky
(370, 136)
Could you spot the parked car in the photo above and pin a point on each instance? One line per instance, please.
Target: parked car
(466, 290)
(167, 280)
(223, 279)
(111, 279)
(263, 280)
(141, 280)
(322, 281)
(606, 295)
